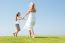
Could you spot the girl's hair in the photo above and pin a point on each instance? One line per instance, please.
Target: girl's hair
(33, 9)
(17, 15)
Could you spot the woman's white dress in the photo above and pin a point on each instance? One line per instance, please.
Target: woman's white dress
(30, 21)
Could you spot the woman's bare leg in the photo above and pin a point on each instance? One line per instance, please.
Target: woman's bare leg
(30, 34)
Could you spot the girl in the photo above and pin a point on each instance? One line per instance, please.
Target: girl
(18, 18)
(31, 19)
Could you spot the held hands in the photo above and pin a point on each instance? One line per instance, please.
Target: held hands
(23, 17)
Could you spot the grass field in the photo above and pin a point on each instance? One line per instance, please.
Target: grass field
(38, 39)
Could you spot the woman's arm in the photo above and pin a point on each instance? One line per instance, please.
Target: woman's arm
(26, 14)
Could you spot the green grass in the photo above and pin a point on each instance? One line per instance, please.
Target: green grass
(38, 39)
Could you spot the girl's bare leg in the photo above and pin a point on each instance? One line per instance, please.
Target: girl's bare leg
(16, 33)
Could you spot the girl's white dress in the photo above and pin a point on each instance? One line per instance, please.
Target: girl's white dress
(30, 21)
(18, 20)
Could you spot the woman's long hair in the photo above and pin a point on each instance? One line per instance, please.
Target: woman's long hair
(32, 9)
(17, 15)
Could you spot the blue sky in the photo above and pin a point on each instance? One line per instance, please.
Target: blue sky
(50, 16)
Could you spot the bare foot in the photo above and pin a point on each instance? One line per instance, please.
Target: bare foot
(33, 36)
(13, 34)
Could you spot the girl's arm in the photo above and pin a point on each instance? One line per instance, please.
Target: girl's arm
(19, 18)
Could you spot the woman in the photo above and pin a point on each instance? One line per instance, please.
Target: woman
(18, 18)
(31, 19)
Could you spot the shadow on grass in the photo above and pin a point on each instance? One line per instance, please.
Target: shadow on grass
(47, 37)
(41, 37)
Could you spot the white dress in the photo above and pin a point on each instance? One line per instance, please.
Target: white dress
(30, 21)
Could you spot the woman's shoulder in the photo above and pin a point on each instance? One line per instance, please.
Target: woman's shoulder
(32, 12)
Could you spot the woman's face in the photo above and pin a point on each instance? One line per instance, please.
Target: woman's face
(30, 7)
